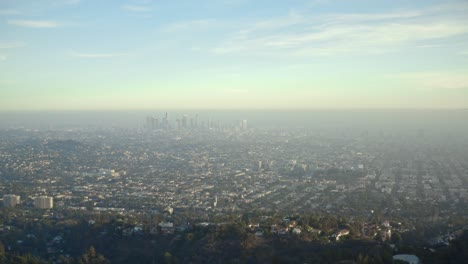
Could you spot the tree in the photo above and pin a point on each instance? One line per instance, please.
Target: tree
(2, 253)
(168, 259)
(363, 259)
(396, 238)
(92, 257)
(92, 252)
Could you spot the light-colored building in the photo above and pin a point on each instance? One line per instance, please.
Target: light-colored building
(410, 259)
(44, 202)
(108, 172)
(243, 125)
(342, 232)
(167, 228)
(11, 200)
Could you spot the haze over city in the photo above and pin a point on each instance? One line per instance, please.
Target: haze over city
(233, 131)
(233, 54)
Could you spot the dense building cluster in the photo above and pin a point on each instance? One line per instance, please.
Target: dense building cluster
(191, 173)
(230, 170)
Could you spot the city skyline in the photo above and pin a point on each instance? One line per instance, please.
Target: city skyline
(233, 54)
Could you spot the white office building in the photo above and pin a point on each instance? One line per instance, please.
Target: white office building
(11, 200)
(44, 202)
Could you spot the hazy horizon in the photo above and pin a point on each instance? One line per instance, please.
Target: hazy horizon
(233, 131)
(441, 122)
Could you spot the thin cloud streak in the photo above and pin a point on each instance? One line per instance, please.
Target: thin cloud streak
(343, 33)
(72, 2)
(99, 55)
(34, 23)
(447, 80)
(189, 25)
(8, 12)
(135, 8)
(11, 45)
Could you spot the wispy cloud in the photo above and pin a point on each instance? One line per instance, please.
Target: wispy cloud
(318, 2)
(334, 34)
(435, 79)
(8, 12)
(232, 2)
(11, 45)
(99, 55)
(365, 17)
(71, 2)
(136, 8)
(190, 24)
(34, 23)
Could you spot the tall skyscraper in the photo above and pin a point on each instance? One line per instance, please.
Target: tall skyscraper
(166, 122)
(11, 200)
(156, 123)
(243, 125)
(153, 123)
(184, 121)
(148, 123)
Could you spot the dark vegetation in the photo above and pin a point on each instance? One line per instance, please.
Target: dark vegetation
(69, 237)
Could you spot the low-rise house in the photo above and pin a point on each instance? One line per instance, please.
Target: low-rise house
(296, 231)
(167, 227)
(342, 232)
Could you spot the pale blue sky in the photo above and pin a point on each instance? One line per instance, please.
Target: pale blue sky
(233, 54)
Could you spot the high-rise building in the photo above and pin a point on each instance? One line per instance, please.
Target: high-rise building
(243, 125)
(166, 122)
(153, 123)
(156, 123)
(148, 123)
(184, 121)
(11, 200)
(44, 202)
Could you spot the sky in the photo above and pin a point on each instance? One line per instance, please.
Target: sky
(233, 54)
